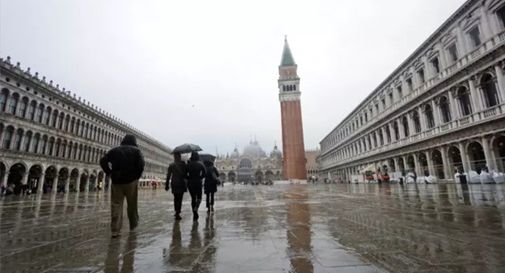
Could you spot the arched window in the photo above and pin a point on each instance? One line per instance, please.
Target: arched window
(43, 145)
(396, 130)
(430, 120)
(17, 140)
(405, 123)
(72, 125)
(9, 132)
(3, 99)
(31, 110)
(50, 147)
(464, 101)
(67, 123)
(417, 122)
(388, 134)
(39, 113)
(35, 145)
(445, 109)
(47, 116)
(61, 120)
(489, 90)
(28, 140)
(22, 107)
(57, 147)
(55, 118)
(13, 103)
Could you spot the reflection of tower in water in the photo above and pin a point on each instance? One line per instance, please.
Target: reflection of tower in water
(299, 230)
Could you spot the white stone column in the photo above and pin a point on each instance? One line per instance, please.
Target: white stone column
(40, 185)
(436, 113)
(377, 139)
(397, 167)
(392, 132)
(400, 128)
(431, 167)
(474, 94)
(410, 120)
(488, 154)
(464, 157)
(86, 184)
(384, 136)
(445, 162)
(405, 165)
(67, 184)
(501, 82)
(54, 188)
(5, 178)
(417, 165)
(453, 106)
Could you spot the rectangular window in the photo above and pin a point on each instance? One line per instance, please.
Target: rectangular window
(409, 85)
(383, 101)
(420, 73)
(474, 35)
(436, 65)
(390, 98)
(377, 108)
(501, 16)
(452, 52)
(399, 90)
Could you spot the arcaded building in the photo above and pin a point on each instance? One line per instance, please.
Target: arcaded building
(442, 109)
(52, 140)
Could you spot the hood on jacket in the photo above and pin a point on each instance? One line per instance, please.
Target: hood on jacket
(129, 140)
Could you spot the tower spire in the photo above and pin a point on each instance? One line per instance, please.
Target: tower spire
(287, 57)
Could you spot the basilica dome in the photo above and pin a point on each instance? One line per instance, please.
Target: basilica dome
(276, 153)
(254, 150)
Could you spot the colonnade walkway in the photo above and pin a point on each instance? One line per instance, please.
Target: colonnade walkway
(280, 228)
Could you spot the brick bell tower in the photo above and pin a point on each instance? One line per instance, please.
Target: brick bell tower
(291, 114)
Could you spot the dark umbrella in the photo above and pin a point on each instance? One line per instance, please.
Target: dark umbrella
(207, 157)
(186, 148)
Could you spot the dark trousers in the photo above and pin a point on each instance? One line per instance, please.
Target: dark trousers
(118, 193)
(178, 202)
(196, 199)
(210, 199)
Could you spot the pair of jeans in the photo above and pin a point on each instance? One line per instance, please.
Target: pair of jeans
(119, 192)
(178, 202)
(196, 199)
(210, 199)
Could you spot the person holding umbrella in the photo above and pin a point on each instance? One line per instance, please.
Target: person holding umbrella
(210, 185)
(176, 179)
(196, 172)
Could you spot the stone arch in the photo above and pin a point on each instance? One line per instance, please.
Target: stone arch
(83, 180)
(258, 176)
(476, 155)
(54, 118)
(430, 119)
(27, 142)
(92, 184)
(465, 103)
(454, 155)
(34, 177)
(74, 177)
(445, 109)
(438, 164)
(51, 176)
(411, 164)
(12, 103)
(23, 105)
(15, 178)
(269, 176)
(8, 135)
(232, 176)
(16, 145)
(423, 164)
(489, 91)
(401, 165)
(63, 176)
(498, 144)
(405, 124)
(32, 108)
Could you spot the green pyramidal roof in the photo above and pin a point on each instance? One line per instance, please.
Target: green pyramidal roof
(287, 57)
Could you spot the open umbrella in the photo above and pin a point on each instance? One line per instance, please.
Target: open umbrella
(186, 148)
(207, 157)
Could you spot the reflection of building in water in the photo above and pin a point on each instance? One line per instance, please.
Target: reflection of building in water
(298, 230)
(443, 107)
(253, 165)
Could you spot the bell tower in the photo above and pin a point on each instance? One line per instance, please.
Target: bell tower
(291, 115)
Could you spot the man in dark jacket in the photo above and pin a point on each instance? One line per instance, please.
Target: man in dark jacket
(176, 178)
(124, 165)
(196, 172)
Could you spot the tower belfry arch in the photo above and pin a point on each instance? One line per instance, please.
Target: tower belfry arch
(291, 116)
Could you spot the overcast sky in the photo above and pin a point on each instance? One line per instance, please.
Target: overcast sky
(206, 71)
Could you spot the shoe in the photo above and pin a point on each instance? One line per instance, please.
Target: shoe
(115, 234)
(195, 216)
(178, 217)
(208, 210)
(212, 208)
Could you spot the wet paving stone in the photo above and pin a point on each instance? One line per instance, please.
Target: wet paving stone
(281, 228)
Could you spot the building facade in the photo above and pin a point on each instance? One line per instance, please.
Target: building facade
(253, 165)
(52, 140)
(442, 109)
(291, 117)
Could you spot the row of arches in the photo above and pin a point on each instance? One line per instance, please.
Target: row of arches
(28, 141)
(23, 178)
(487, 153)
(291, 87)
(12, 103)
(258, 176)
(465, 104)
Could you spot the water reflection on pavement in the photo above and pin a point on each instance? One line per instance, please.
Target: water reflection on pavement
(282, 228)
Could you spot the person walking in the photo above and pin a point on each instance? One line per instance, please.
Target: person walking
(210, 185)
(196, 172)
(125, 165)
(176, 179)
